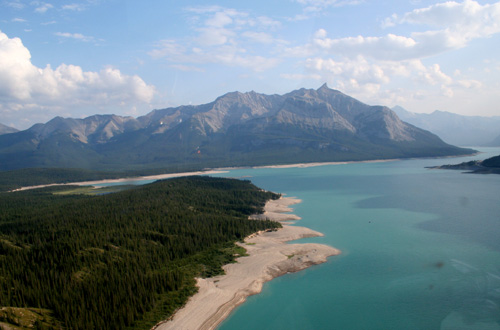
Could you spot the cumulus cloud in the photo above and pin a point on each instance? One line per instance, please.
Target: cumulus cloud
(457, 24)
(468, 15)
(371, 79)
(373, 65)
(357, 70)
(26, 87)
(389, 47)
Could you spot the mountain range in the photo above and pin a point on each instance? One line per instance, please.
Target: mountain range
(456, 129)
(236, 129)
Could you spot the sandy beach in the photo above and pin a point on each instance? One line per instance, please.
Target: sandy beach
(305, 165)
(268, 257)
(125, 180)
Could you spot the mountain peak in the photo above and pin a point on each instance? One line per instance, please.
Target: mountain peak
(237, 129)
(323, 87)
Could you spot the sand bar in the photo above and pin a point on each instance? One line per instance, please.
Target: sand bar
(305, 165)
(269, 257)
(125, 180)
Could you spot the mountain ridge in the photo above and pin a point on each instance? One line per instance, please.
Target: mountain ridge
(236, 129)
(456, 129)
(4, 129)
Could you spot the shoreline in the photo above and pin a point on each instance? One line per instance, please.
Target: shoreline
(131, 179)
(269, 256)
(202, 172)
(218, 171)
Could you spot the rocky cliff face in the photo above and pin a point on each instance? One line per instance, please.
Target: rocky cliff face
(235, 129)
(94, 129)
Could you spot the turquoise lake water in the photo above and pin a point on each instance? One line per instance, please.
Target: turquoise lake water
(420, 249)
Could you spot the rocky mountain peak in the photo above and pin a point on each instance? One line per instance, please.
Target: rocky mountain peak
(249, 128)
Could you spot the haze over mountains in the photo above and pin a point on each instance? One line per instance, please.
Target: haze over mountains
(4, 129)
(236, 129)
(456, 129)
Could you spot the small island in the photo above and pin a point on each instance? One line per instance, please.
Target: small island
(487, 166)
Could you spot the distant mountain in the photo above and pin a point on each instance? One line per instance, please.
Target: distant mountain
(456, 129)
(495, 142)
(4, 129)
(236, 129)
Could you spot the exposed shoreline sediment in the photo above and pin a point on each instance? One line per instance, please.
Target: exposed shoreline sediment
(268, 257)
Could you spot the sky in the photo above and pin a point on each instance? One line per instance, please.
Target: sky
(85, 57)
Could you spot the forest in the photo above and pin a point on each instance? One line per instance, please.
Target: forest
(123, 260)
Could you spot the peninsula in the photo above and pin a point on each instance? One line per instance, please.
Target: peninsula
(487, 166)
(268, 257)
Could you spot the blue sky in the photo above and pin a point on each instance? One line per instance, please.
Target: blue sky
(79, 58)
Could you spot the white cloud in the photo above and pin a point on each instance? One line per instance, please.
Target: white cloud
(433, 75)
(461, 16)
(42, 7)
(77, 36)
(220, 26)
(14, 4)
(168, 49)
(25, 87)
(74, 7)
(261, 37)
(373, 80)
(222, 36)
(460, 23)
(268, 22)
(312, 8)
(389, 47)
(358, 69)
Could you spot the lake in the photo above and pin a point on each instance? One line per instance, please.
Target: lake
(421, 248)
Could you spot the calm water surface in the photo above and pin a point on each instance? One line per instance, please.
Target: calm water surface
(421, 249)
